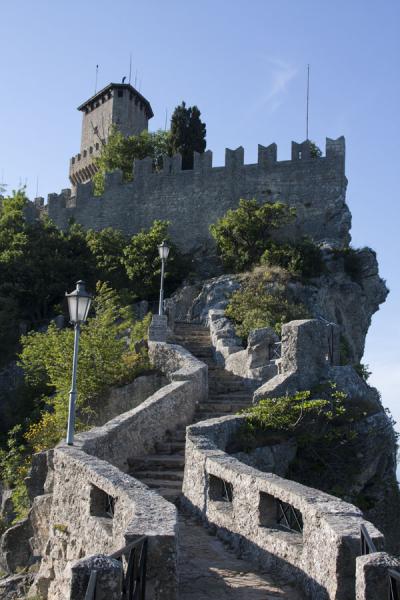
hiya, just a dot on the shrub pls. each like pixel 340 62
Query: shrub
pixel 242 235
pixel 324 425
pixel 120 151
pixel 253 307
pixel 300 259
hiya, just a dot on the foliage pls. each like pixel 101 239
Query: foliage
pixel 253 307
pixel 351 262
pixel 315 151
pixel 105 359
pixel 324 426
pixel 300 259
pixel 188 133
pixel 363 371
pixel 106 247
pixel 14 466
pixel 143 265
pixel 243 234
pixel 119 153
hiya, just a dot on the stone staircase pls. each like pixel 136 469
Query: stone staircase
pixel 163 471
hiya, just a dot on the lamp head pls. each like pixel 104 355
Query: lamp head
pixel 163 250
pixel 79 302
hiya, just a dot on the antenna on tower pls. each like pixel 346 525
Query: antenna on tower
pixel 97 72
pixel 130 66
pixel 166 118
pixel 135 77
pixel 308 98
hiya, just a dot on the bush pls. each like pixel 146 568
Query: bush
pixel 242 235
pixel 300 259
pixel 323 424
pixel 253 307
pixel 119 153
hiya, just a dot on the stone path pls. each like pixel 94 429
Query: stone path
pixel 208 570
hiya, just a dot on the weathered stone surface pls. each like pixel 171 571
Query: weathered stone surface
pixel 321 559
pixel 193 200
pixel 180 303
pixel 7 512
pixel 372 575
pixel 109 577
pixel 119 400
pixel 275 458
pixel 214 294
pixel 15 551
pixel 158 328
pixel 15 586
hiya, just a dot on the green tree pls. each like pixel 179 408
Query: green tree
pixel 300 259
pixel 120 151
pixel 107 247
pixel 243 234
pixel 105 359
pixel 188 133
pixel 143 264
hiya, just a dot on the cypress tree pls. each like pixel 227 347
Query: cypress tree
pixel 188 133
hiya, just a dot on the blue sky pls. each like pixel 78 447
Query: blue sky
pixel 244 65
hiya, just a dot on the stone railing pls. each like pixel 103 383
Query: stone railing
pixel 255 363
pixel 97 508
pixel 245 505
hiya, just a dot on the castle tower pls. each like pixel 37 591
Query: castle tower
pixel 117 104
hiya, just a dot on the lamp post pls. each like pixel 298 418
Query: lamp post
pixel 78 305
pixel 163 250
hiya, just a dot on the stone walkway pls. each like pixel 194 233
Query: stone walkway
pixel 208 570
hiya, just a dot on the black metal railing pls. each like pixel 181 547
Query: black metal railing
pixel 394 584
pixel 289 517
pixel 367 546
pixel 276 349
pixel 133 556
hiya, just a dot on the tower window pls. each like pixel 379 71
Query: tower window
pixel 120 93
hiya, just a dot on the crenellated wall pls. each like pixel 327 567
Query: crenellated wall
pixel 193 199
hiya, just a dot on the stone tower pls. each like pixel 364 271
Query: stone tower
pixel 117 104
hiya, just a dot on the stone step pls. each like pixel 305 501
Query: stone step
pixel 163 483
pixel 170 475
pixel 157 462
pixel 206 416
pixel 221 407
pixel 171 447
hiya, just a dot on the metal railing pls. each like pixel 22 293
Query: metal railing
pixel 134 555
pixel 289 517
pixel 367 546
pixel 394 584
pixel 276 350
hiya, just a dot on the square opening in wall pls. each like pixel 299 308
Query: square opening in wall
pixel 101 503
pixel 219 490
pixel 267 510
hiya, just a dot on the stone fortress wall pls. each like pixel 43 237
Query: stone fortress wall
pixel 193 199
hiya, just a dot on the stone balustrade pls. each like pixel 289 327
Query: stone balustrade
pixel 97 507
pixel 242 504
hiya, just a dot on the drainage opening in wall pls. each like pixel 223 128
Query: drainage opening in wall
pixel 101 503
pixel 219 490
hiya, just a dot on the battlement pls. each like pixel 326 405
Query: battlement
pixel 193 199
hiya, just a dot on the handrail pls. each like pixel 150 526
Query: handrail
pixel 134 579
pixel 394 584
pixel 367 546
pixel 118 553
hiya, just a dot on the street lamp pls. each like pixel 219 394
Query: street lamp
pixel 163 250
pixel 78 305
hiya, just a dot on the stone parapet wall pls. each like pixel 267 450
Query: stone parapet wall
pixel 254 363
pixel 90 482
pixel 315 186
pixel 321 559
pixel 373 576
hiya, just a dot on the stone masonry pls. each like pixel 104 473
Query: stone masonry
pixel 193 199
